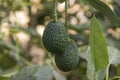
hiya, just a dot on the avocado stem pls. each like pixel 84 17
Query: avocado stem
pixel 55 12
pixel 66 15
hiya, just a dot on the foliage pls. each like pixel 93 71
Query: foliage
pixel 92 24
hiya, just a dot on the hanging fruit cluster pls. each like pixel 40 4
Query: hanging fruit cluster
pixel 56 41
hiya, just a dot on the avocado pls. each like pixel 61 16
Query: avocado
pixel 55 37
pixel 69 59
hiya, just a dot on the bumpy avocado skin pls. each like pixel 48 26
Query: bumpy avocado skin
pixel 55 37
pixel 69 59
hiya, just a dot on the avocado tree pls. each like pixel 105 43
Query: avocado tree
pixel 77 39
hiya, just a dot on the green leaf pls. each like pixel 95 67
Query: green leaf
pixel 103 8
pixel 58 76
pixel 30 31
pixel 114 56
pixel 8 73
pixel 98 45
pixel 6 62
pixel 1 35
pixel 97 55
pixel 114 59
pixel 118 70
pixel 100 74
pixel 90 65
pixel 82 52
pixel 4 78
pixel 91 73
pixel 35 72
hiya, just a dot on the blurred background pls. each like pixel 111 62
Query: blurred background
pixel 22 23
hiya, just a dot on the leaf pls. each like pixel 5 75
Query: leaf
pixel 103 8
pixel 91 73
pixel 30 31
pixel 82 52
pixel 118 70
pixel 98 45
pixel 114 59
pixel 6 62
pixel 4 78
pixel 44 73
pixel 8 73
pixel 58 76
pixel 1 35
pixel 35 72
pixel 116 9
pixel 114 56
pixel 97 55
pixel 90 66
pixel 100 74
pixel 1 70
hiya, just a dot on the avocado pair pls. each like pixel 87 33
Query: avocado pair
pixel 56 41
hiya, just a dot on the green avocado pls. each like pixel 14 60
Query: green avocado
pixel 69 59
pixel 55 37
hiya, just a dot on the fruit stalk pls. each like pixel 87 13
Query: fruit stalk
pixel 66 15
pixel 55 12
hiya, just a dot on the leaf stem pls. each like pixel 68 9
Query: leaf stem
pixel 107 72
pixel 55 12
